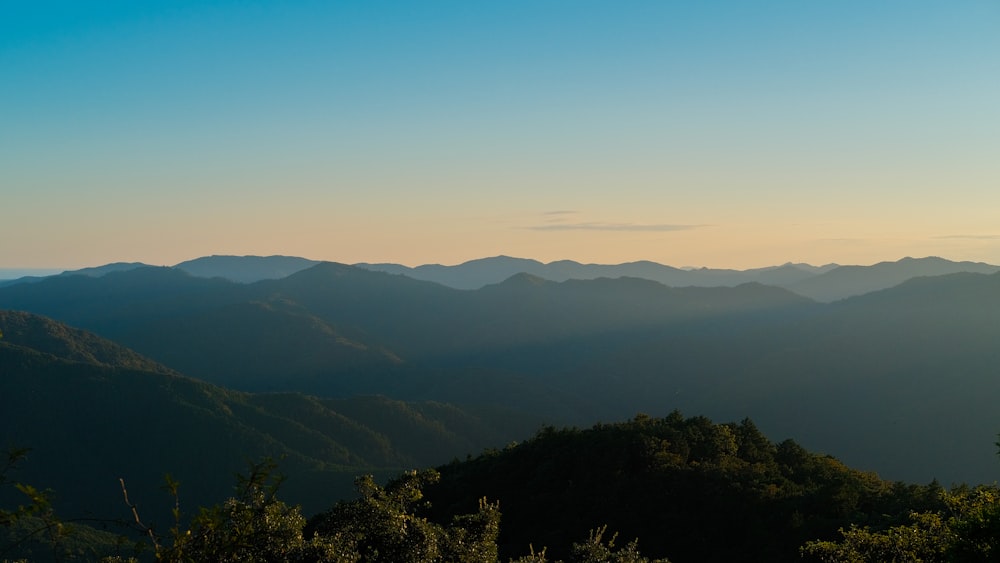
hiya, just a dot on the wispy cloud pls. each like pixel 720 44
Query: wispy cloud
pixel 847 240
pixel 596 226
pixel 970 237
pixel 560 212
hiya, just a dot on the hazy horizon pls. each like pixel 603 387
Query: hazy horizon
pixel 720 134
pixel 11 273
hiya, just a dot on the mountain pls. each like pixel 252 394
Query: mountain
pixel 245 269
pixel 847 281
pixel 912 364
pixel 260 346
pixel 822 283
pixel 475 274
pixel 421 320
pixel 817 282
pixel 84 403
pixel 330 328
pixel 70 344
pixel 97 271
pixel 14 275
pixel 114 302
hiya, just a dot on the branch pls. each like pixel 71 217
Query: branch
pixel 135 514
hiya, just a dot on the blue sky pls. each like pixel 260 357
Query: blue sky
pixel 728 133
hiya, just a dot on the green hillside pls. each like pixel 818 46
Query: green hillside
pixel 89 423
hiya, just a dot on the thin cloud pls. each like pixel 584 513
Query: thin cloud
pixel 593 226
pixel 846 240
pixel 561 212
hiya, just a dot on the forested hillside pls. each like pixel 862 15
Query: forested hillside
pixel 92 412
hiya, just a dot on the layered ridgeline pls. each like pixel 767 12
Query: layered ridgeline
pixel 93 412
pixel 332 326
pixel 822 283
pixel 899 380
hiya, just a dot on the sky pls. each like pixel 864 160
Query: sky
pixel 711 133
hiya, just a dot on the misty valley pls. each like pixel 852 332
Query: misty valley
pixel 500 410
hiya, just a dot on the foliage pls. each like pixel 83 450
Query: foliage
pixel 33 529
pixel 966 530
pixel 383 525
pixel 595 550
pixel 252 526
pixel 34 518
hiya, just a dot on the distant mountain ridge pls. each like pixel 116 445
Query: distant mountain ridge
pixel 822 283
pixel 825 283
pixel 847 281
pixel 475 274
pixel 96 271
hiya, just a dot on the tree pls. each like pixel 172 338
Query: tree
pixel 32 520
pixel 383 525
pixel 252 526
pixel 967 531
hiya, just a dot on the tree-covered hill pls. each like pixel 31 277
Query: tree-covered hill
pixel 91 414
pixel 689 489
pixel 64 342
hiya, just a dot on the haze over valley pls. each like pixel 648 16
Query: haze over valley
pixel 858 377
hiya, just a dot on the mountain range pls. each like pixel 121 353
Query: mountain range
pixel 897 380
pixel 822 283
pixel 825 283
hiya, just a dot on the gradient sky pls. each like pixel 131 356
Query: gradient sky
pixel 716 133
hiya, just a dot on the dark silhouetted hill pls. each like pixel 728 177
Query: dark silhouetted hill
pixel 690 490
